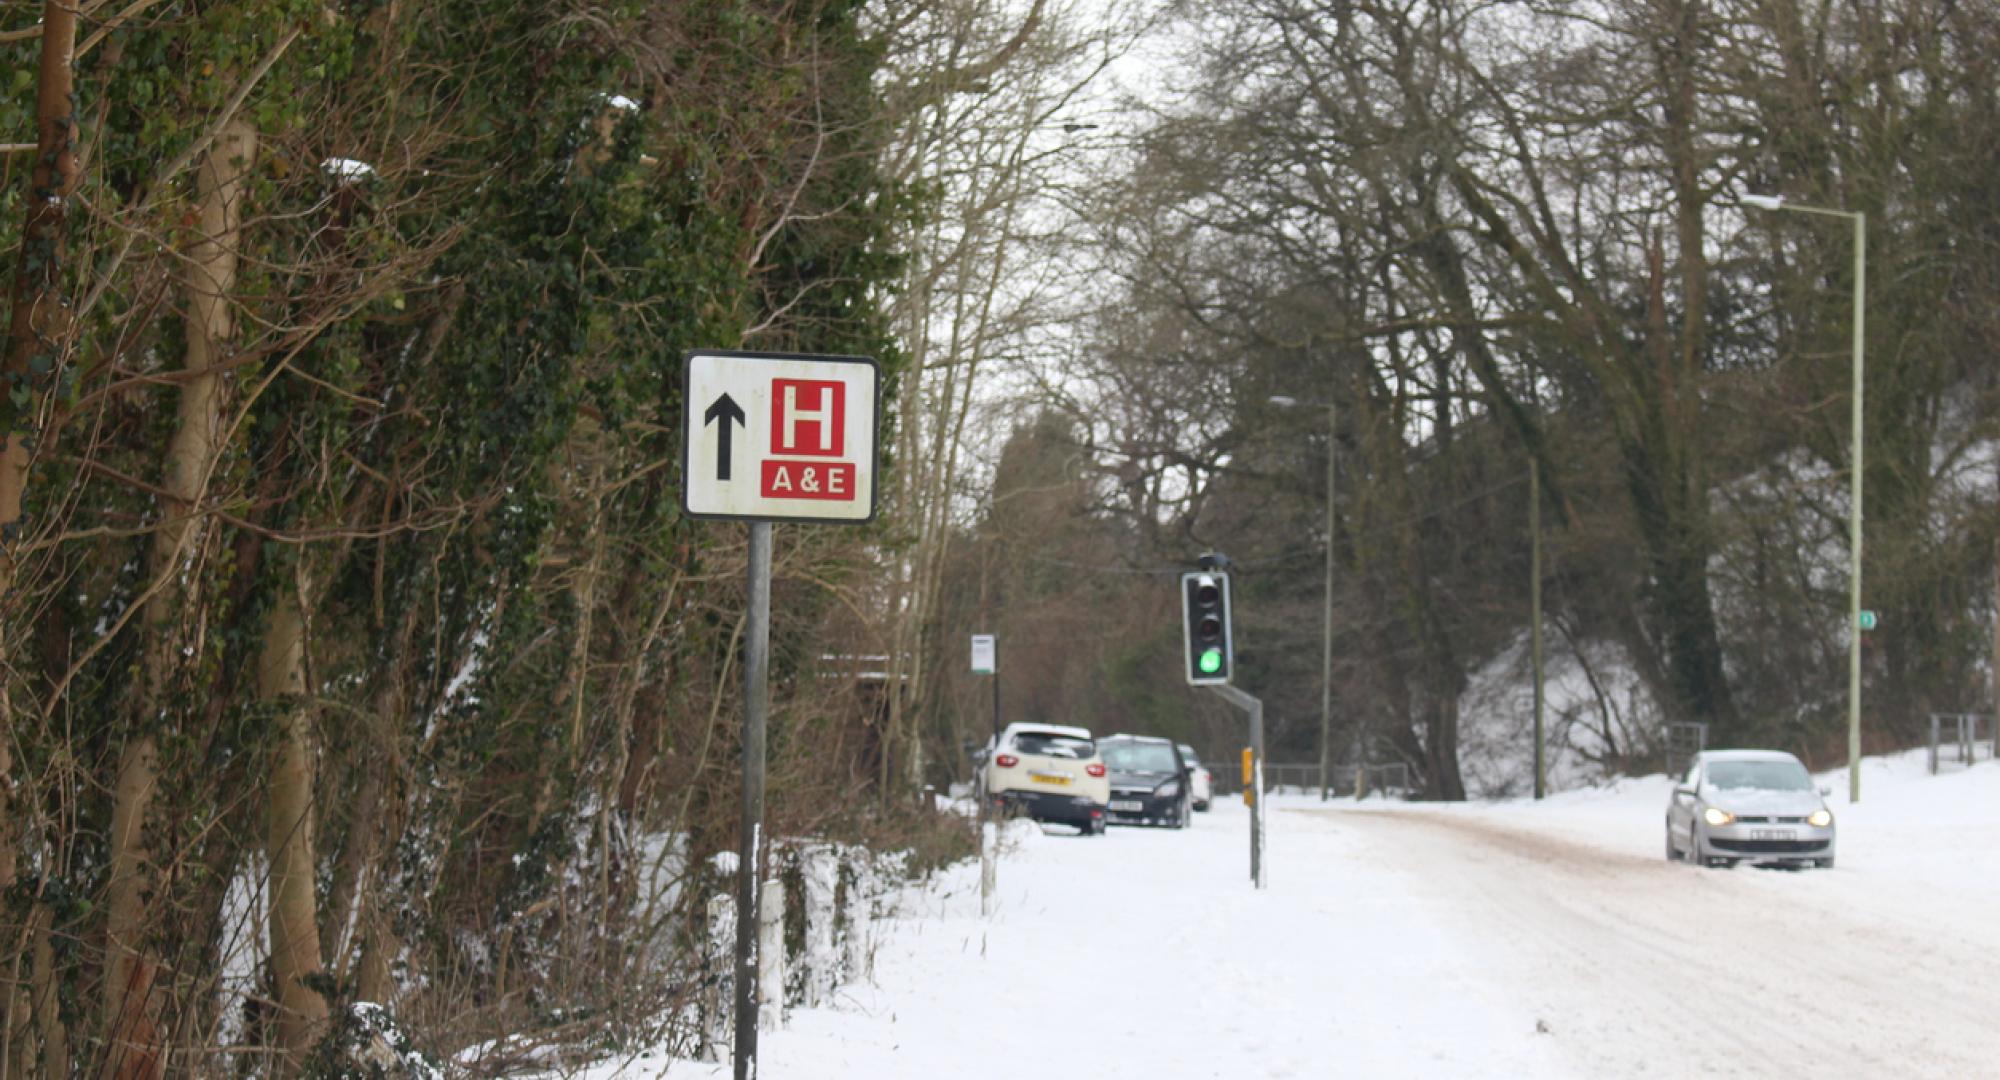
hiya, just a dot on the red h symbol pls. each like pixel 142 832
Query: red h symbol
pixel 808 417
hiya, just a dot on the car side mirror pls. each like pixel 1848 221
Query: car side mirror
pixel 1683 789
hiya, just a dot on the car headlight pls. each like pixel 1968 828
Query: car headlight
pixel 1820 818
pixel 1717 816
pixel 1168 790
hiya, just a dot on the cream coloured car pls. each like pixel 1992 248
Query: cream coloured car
pixel 1048 772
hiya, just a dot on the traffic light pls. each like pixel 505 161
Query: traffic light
pixel 1211 651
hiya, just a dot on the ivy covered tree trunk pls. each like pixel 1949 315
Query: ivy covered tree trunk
pixel 39 324
pixel 293 923
pixel 38 335
pixel 132 1042
pixel 1679 600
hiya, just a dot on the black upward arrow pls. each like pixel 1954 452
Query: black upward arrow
pixel 726 410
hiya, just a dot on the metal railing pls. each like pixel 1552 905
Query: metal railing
pixel 1958 733
pixel 1392 779
pixel 1684 741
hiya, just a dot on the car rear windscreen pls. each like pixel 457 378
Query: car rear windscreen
pixel 1051 745
pixel 1140 757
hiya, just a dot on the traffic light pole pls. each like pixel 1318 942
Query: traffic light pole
pixel 1255 708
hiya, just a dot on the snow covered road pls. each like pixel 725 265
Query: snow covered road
pixel 1496 940
pixel 1644 968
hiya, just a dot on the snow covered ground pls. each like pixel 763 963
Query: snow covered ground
pixel 1504 939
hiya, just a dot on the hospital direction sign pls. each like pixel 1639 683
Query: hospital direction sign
pixel 779 436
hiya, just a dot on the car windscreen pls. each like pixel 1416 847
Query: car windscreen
pixel 1140 757
pixel 1049 744
pixel 1759 775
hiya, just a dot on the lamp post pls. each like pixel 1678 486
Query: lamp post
pixel 1860 219
pixel 1326 646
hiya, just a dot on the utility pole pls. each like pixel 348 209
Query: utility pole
pixel 1326 643
pixel 1326 636
pixel 1854 505
pixel 1535 612
pixel 1855 508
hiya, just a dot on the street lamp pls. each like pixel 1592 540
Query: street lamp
pixel 1326 659
pixel 1860 219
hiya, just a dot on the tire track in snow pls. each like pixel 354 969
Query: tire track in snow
pixel 1645 968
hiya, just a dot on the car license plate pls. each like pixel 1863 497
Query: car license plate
pixel 1774 834
pixel 1048 778
pixel 1127 805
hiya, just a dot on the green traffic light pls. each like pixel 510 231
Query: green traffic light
pixel 1211 661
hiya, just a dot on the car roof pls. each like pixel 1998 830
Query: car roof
pixel 1140 738
pixel 1048 729
pixel 1747 755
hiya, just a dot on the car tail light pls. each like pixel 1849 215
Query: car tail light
pixel 1094 769
pixel 1006 761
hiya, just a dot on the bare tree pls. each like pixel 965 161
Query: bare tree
pixel 985 93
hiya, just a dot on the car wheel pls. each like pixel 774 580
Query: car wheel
pixel 1202 807
pixel 1693 854
pixel 1673 853
pixel 1826 864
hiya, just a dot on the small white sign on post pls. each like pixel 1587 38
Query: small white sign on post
pixel 983 654
pixel 779 436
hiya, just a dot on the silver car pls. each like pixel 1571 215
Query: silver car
pixel 1756 806
pixel 1200 781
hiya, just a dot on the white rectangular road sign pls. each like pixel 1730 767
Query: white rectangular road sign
pixel 779 436
pixel 982 654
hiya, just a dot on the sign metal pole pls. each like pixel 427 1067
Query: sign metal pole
pixel 986 661
pixel 756 707
pixel 806 452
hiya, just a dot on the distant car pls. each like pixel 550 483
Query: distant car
pixel 1048 772
pixel 1757 806
pixel 1201 784
pixel 1149 781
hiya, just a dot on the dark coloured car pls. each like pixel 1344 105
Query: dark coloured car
pixel 1149 781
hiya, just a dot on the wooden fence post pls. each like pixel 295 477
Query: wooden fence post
pixel 721 968
pixel 771 957
pixel 989 858
pixel 860 904
pixel 821 873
